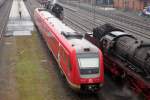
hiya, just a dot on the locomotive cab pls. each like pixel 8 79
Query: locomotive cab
pixel 88 65
pixel 89 68
pixel 88 62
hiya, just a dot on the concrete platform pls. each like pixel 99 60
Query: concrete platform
pixel 20 22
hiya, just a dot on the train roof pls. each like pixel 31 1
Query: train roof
pixel 76 39
pixel 61 27
pixel 83 45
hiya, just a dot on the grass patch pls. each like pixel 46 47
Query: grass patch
pixel 33 81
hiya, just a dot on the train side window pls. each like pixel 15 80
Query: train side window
pixel 69 65
pixel 64 56
pixel 66 60
pixel 61 53
pixel 48 33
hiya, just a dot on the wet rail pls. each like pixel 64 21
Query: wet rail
pixel 141 29
pixel 123 17
pixel 97 20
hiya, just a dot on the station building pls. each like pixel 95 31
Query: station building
pixel 98 2
pixel 136 5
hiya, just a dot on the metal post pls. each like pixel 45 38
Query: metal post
pixel 108 2
pixel 79 5
pixel 93 9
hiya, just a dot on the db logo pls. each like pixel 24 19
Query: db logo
pixel 90 81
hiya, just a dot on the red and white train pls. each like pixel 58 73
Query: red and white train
pixel 80 61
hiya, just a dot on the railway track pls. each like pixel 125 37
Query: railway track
pixel 98 20
pixel 132 25
pixel 74 25
pixel 143 22
pixel 126 19
pixel 4 10
pixel 137 21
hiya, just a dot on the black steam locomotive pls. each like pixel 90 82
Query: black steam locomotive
pixel 126 47
pixel 55 9
pixel 125 56
pixel 58 11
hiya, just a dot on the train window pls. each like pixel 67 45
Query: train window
pixel 66 60
pixel 49 34
pixel 69 65
pixel 64 56
pixel 88 62
pixel 89 66
pixel 61 51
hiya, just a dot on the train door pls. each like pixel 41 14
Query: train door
pixel 68 65
pixel 55 46
pixel 61 60
pixel 64 61
pixel 48 36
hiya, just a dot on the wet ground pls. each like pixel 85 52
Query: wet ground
pixel 28 71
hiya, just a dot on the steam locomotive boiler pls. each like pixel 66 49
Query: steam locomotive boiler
pixel 125 56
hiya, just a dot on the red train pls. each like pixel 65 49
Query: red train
pixel 80 61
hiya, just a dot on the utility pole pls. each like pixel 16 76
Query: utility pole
pixel 79 5
pixel 108 2
pixel 93 9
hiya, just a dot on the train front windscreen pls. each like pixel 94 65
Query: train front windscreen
pixel 89 65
